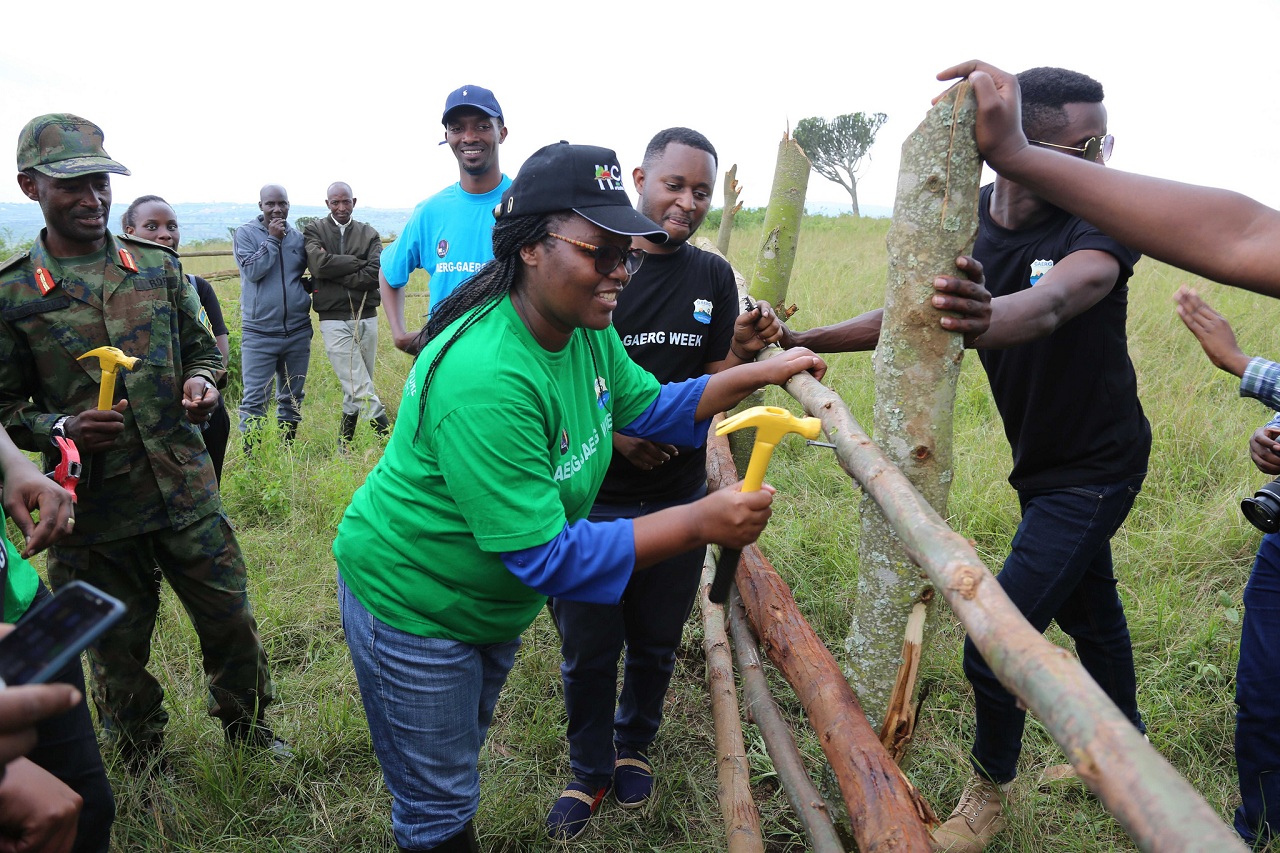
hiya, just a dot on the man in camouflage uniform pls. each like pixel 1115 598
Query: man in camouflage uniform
pixel 155 500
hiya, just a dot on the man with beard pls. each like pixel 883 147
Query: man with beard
pixel 448 235
pixel 275 314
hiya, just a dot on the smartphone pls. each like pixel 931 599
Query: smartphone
pixel 54 632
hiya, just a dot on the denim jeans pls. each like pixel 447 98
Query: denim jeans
pixel 649 622
pixel 1059 568
pixel 429 702
pixel 267 359
pixel 1258 695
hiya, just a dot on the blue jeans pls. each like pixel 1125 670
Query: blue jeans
pixel 1258 695
pixel 649 622
pixel 429 702
pixel 1059 568
pixel 267 359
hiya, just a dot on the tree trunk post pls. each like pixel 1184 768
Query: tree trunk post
pixel 917 364
pixel 777 253
pixel 731 207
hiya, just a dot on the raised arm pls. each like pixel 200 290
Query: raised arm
pixel 1215 233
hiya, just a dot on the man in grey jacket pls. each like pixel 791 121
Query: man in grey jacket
pixel 275 313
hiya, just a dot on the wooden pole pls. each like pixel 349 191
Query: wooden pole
pixel 886 811
pixel 802 794
pixel 731 208
pixel 917 364
pixel 733 774
pixel 782 219
pixel 1157 807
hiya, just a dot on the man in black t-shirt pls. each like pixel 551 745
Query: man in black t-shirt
pixel 677 320
pixel 1056 355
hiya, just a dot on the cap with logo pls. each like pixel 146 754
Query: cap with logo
pixel 583 178
pixel 471 96
pixel 62 145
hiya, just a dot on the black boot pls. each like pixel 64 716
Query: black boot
pixel 289 430
pixel 347 430
pixel 256 734
pixel 381 426
pixel 463 842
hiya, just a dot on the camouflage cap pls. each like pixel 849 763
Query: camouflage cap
pixel 62 145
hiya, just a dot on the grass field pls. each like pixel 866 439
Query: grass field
pixel 1182 559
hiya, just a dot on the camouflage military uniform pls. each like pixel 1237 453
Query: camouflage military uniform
pixel 158 502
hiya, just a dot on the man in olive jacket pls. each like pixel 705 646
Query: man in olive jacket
pixel 343 256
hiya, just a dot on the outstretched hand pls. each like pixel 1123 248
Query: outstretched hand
pixel 25 490
pixel 1212 331
pixel 999 131
pixel 789 363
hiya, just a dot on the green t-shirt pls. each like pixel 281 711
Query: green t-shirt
pixel 20 579
pixel 514 443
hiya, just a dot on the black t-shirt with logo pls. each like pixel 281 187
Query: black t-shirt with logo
pixel 1069 401
pixel 674 317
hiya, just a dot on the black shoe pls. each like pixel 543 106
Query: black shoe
pixel 258 736
pixel 381 426
pixel 145 757
pixel 289 429
pixel 347 430
pixel 463 842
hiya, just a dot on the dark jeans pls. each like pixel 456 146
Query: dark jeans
pixel 1059 568
pixel 649 622
pixel 216 432
pixel 1258 695
pixel 67 748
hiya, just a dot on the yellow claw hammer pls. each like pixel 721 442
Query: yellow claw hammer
pixel 110 360
pixel 771 423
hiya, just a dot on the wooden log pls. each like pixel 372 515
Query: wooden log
pixel 885 809
pixel 802 794
pixel 731 207
pixel 917 364
pixel 733 774
pixel 1156 806
pixel 782 219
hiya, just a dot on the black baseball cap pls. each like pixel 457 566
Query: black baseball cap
pixel 583 178
pixel 471 96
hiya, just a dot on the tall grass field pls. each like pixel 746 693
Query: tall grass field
pixel 1182 560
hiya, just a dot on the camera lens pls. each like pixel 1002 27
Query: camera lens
pixel 1263 509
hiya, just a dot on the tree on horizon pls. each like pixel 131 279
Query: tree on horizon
pixel 836 148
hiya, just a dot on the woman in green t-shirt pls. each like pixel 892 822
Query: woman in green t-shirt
pixel 477 510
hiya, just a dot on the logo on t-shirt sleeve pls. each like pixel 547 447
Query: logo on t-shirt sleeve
pixel 1038 269
pixel 702 310
pixel 442 248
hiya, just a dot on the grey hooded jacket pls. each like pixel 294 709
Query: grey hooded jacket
pixel 273 299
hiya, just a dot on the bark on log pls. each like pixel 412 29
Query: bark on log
pixel 802 794
pixel 886 811
pixel 731 208
pixel 917 363
pixel 1157 807
pixel 733 774
pixel 777 252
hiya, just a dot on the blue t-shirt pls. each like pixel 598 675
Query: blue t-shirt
pixel 450 235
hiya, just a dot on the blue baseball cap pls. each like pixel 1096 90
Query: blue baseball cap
pixel 471 96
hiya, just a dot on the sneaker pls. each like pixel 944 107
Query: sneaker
pixel 632 778
pixel 975 821
pixel 568 818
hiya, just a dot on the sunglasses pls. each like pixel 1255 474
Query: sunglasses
pixel 607 258
pixel 1095 149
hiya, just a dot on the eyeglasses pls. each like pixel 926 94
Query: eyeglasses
pixel 607 258
pixel 1096 148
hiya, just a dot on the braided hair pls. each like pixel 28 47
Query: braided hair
pixel 479 295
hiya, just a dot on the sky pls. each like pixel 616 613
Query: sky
pixel 207 102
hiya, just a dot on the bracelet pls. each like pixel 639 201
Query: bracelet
pixel 740 355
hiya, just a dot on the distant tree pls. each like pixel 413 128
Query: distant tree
pixel 839 145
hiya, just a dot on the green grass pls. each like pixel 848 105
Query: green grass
pixel 1182 559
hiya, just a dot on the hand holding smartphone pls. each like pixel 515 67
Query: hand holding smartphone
pixel 54 632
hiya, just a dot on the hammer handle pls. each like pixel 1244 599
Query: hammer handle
pixel 726 569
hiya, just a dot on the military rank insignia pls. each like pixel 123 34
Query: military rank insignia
pixel 44 281
pixel 127 261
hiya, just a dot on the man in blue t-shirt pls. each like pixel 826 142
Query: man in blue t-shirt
pixel 448 235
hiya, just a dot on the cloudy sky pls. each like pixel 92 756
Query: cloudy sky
pixel 206 102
